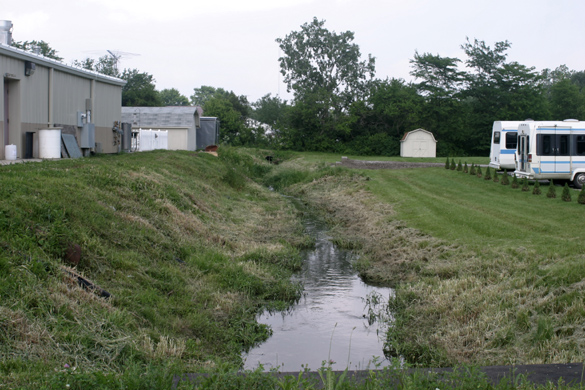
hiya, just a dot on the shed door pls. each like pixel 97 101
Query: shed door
pixel 420 148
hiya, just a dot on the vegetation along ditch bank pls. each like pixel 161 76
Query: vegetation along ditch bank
pixel 191 248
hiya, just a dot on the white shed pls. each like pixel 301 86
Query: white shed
pixel 418 143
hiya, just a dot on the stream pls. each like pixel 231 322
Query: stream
pixel 329 323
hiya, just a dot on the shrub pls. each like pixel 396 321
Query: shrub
pixel 452 164
pixel 488 174
pixel 505 179
pixel 552 191
pixel 536 190
pixel 459 166
pixel 496 177
pixel 472 170
pixel 525 186
pixel 581 198
pixel 465 168
pixel 566 195
pixel 514 182
pixel 447 165
pixel 479 174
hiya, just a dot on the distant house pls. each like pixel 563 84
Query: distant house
pixel 418 143
pixel 182 123
pixel 39 93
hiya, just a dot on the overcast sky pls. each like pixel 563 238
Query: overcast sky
pixel 231 43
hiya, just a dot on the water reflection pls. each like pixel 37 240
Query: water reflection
pixel 329 322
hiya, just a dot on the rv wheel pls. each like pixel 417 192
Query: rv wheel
pixel 579 180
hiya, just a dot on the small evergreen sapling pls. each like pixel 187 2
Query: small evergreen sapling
pixel 479 174
pixel 447 165
pixel 472 170
pixel 525 186
pixel 505 179
pixel 514 182
pixel 459 166
pixel 536 190
pixel 566 195
pixel 496 177
pixel 465 168
pixel 552 190
pixel 581 198
pixel 488 174
pixel 453 164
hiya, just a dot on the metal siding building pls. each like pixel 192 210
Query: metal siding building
pixel 53 95
pixel 182 123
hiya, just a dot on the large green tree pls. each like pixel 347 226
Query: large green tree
pixel 172 97
pixel 499 90
pixel 140 89
pixel 105 65
pixel 43 47
pixel 325 72
pixel 270 110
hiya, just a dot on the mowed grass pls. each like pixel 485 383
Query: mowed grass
pixel 472 211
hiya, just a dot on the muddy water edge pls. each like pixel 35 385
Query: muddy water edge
pixel 333 322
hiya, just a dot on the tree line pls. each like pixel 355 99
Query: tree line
pixel 339 106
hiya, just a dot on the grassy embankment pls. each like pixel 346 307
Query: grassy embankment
pixel 189 248
pixel 484 274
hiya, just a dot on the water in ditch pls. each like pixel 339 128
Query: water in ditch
pixel 330 322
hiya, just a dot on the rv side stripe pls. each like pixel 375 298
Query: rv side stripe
pixel 507 151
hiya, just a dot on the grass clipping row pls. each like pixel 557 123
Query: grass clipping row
pixel 451 304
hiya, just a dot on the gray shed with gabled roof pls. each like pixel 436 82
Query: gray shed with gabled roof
pixel 181 122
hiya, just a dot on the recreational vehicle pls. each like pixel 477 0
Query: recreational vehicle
pixel 504 134
pixel 551 150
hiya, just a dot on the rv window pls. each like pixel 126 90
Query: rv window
pixel 580 145
pixel 496 137
pixel 563 149
pixel 544 147
pixel 511 140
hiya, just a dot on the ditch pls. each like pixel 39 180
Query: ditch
pixel 335 321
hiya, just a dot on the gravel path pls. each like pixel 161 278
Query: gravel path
pixel 360 164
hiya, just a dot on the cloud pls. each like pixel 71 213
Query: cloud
pixel 171 10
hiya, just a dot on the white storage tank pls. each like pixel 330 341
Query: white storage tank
pixel 10 152
pixel 50 143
